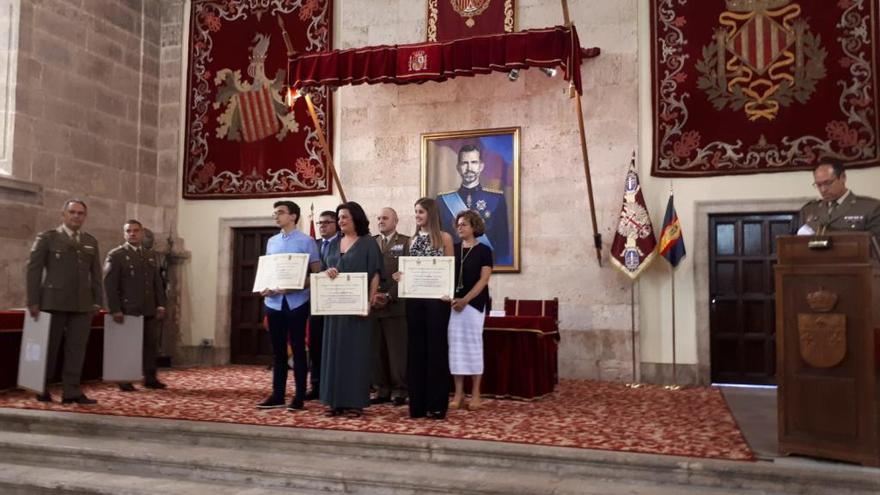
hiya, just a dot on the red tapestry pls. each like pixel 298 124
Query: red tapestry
pixel 456 19
pixel 242 140
pixel 750 86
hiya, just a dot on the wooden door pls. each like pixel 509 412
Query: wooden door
pixel 742 313
pixel 249 341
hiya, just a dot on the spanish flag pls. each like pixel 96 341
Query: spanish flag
pixel 671 240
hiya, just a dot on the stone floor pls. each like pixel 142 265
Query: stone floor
pixel 754 409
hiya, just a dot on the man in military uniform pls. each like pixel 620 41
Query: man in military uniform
pixel 488 203
pixel 328 232
pixel 64 279
pixel 389 370
pixel 134 287
pixel 839 209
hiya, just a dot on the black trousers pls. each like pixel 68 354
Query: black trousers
pixel 316 341
pixel 284 324
pixel 427 356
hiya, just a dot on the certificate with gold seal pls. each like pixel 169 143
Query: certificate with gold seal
pixel 427 277
pixel 347 294
pixel 281 271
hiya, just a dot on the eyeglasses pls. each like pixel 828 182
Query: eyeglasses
pixel 825 183
pixel 279 213
pixel 326 222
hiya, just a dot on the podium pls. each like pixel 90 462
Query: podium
pixel 827 326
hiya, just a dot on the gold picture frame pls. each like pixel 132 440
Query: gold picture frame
pixel 493 155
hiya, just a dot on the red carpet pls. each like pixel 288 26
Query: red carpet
pixel 585 414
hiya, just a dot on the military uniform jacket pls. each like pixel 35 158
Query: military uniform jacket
pixel 396 246
pixel 132 281
pixel 62 274
pixel 855 213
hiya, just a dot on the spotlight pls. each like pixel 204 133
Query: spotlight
pixel 513 75
pixel 292 95
pixel 549 71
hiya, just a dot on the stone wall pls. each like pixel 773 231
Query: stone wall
pixel 377 149
pixel 86 125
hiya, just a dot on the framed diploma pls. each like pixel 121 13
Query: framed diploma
pixel 281 271
pixel 347 294
pixel 123 349
pixel 32 358
pixel 428 277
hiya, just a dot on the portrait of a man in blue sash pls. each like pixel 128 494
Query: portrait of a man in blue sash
pixel 478 171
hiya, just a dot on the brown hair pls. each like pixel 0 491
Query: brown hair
pixel 474 219
pixel 433 228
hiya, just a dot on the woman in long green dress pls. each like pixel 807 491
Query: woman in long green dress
pixel 347 353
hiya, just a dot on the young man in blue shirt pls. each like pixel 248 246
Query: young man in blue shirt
pixel 288 310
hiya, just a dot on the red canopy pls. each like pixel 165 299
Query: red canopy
pixel 402 64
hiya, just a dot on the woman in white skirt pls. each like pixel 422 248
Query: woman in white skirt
pixel 473 263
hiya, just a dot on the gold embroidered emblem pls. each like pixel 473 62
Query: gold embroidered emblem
pixel 469 9
pixel 763 57
pixel 418 60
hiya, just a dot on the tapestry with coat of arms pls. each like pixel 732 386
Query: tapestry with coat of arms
pixel 456 19
pixel 242 138
pixel 751 86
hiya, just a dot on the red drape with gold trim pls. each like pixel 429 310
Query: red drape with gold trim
pixel 420 62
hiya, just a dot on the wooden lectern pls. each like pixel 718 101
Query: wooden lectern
pixel 827 321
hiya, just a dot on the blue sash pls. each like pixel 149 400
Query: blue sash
pixel 456 205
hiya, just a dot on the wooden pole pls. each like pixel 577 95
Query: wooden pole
pixel 597 237
pixel 674 375
pixel 565 17
pixel 632 319
pixel 323 141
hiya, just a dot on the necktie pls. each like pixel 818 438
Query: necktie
pixel 324 245
pixel 831 206
pixel 76 237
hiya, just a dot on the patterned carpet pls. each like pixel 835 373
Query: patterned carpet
pixel 585 414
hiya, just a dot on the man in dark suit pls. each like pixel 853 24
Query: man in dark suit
pixel 328 231
pixel 839 209
pixel 389 371
pixel 488 203
pixel 64 279
pixel 134 287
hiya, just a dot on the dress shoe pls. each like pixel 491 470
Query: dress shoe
pixel 127 387
pixel 296 405
pixel 155 384
pixel 398 401
pixel 81 400
pixel 313 394
pixel 271 403
pixel 379 400
pixel 44 397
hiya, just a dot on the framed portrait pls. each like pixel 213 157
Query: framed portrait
pixel 477 170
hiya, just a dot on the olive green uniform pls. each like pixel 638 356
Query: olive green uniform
pixel 64 279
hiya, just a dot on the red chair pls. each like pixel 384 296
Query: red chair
pixel 532 307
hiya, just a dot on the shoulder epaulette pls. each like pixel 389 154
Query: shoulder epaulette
pixel 493 190
pixel 448 192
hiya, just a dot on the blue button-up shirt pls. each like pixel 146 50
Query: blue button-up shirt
pixel 294 242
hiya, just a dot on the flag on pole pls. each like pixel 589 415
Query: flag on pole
pixel 634 242
pixel 671 239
